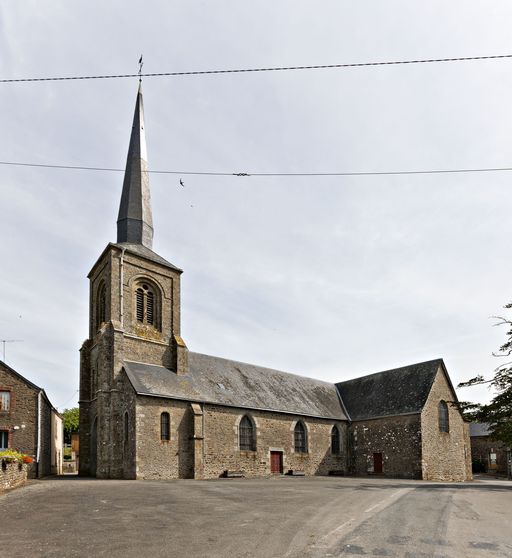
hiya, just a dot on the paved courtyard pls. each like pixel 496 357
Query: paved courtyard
pixel 278 517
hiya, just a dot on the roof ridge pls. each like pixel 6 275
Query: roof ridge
pixel 264 368
pixel 440 360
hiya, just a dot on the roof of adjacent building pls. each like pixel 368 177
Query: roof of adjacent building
pixel 237 384
pixel 478 429
pixel 393 392
pixel 30 384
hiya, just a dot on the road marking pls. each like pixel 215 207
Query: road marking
pixel 338 528
pixel 391 496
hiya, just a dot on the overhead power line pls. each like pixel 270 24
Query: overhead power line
pixel 269 174
pixel 263 69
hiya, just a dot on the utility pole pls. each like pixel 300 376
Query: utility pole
pixel 4 341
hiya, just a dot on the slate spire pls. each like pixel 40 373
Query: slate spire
pixel 135 222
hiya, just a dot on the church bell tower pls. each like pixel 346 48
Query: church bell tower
pixel 134 315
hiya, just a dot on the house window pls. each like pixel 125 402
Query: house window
pixel 5 401
pixel 145 305
pixel 335 440
pixel 444 424
pixel 165 427
pixel 4 439
pixel 247 437
pixel 300 441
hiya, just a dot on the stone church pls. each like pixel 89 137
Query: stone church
pixel 151 409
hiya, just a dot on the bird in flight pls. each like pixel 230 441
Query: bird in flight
pixel 182 183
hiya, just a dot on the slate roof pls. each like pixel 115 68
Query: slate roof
pixel 478 429
pixel 236 384
pixel 393 392
pixel 144 252
pixel 28 382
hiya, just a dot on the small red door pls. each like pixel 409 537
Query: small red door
pixel 377 463
pixel 276 462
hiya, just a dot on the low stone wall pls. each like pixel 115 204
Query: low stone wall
pixel 12 475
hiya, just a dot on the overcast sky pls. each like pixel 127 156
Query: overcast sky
pixel 331 278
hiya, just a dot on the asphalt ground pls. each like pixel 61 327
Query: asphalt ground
pixel 277 517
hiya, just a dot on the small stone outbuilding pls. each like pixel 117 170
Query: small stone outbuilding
pixel 486 453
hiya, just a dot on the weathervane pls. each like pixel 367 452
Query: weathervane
pixel 141 63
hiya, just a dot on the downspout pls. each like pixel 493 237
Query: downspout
pixel 121 289
pixel 38 451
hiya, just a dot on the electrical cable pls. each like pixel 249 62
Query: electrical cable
pixel 269 174
pixel 263 69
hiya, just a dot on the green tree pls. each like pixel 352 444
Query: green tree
pixel 71 423
pixel 498 412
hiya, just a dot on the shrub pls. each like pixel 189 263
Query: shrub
pixel 13 456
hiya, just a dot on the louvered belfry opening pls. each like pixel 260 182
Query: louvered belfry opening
pixel 140 305
pixel 145 305
pixel 150 308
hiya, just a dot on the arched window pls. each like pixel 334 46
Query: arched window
pixel 145 305
pixel 444 422
pixel 300 439
pixel 335 440
pixel 165 427
pixel 126 428
pixel 247 435
pixel 101 305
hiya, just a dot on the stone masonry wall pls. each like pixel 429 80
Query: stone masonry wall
pixel 157 459
pixel 121 338
pixel 45 458
pixel 219 451
pixel 483 446
pixel 446 456
pixel 397 438
pixel 23 411
pixel 12 475
pixel 274 431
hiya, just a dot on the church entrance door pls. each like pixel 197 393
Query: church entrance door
pixel 276 462
pixel 377 463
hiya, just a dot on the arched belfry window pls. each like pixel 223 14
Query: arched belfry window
pixel 101 305
pixel 444 421
pixel 146 304
pixel 300 438
pixel 247 434
pixel 165 427
pixel 335 440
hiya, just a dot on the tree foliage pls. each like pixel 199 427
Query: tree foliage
pixel 71 422
pixel 497 413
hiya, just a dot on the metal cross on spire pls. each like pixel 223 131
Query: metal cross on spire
pixel 141 63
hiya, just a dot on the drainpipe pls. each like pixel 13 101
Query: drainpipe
pixel 121 289
pixel 38 452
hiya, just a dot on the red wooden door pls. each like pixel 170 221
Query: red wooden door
pixel 276 462
pixel 377 463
